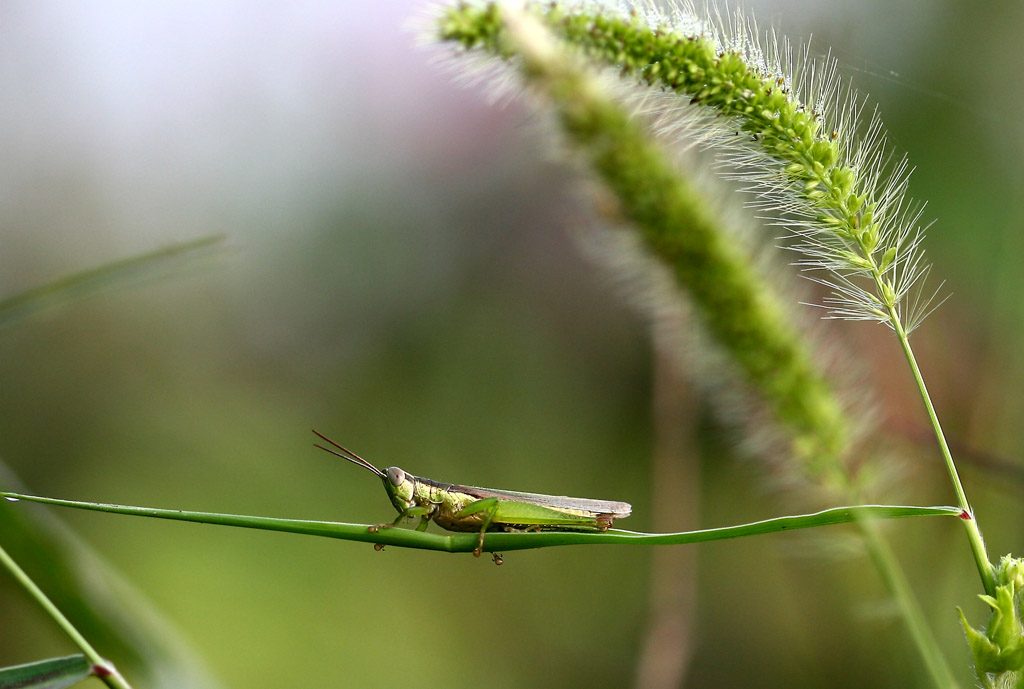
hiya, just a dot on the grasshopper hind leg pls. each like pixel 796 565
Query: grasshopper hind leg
pixel 489 508
pixel 483 530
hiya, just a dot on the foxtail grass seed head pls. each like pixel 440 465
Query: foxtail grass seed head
pixel 736 306
pixel 814 160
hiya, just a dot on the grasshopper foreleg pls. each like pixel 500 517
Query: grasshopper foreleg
pixel 421 511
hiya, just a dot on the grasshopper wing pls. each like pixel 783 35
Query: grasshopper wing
pixel 594 508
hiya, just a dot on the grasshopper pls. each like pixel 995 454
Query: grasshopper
pixel 467 508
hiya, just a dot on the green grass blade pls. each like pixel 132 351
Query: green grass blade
pixel 55 673
pixel 499 541
pixel 108 276
pixel 107 610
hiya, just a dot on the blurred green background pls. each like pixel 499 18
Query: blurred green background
pixel 399 273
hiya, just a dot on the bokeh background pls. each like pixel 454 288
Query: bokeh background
pixel 398 271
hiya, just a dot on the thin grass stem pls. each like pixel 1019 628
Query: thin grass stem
pixel 102 668
pixel 895 580
pixel 985 569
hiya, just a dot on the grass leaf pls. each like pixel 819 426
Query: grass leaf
pixel 54 673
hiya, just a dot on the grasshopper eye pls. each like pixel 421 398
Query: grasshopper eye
pixel 396 476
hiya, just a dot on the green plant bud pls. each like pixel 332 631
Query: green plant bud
pixel 888 294
pixel 869 238
pixel 887 258
pixel 825 153
pixel 843 178
pixel 999 649
pixel 857 261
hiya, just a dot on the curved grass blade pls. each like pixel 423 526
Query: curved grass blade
pixel 104 277
pixel 500 541
pixel 55 673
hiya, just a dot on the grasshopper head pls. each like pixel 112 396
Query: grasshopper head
pixel 399 486
pixel 397 483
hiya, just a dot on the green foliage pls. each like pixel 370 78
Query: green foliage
pixel 69 566
pixel 55 673
pixel 998 650
pixel 104 607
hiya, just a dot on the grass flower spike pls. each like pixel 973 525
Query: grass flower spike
pixel 786 127
pixel 676 225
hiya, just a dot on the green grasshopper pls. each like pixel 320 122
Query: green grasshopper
pixel 468 508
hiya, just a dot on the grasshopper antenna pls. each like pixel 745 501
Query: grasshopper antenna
pixel 346 454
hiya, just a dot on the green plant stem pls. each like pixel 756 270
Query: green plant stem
pixel 892 575
pixel 985 569
pixel 101 667
pixel 970 523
